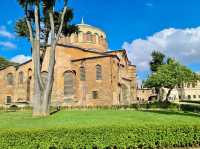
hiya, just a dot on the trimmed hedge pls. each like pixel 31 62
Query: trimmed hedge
pixel 148 137
pixel 191 101
pixel 190 108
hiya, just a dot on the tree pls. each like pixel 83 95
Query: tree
pixel 155 63
pixel 43 25
pixel 170 75
pixel 5 63
pixel 157 60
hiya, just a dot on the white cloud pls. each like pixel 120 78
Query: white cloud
pixel 7 44
pixel 5 33
pixel 181 44
pixel 20 59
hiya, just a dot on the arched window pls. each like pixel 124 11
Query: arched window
pixel 101 40
pixel 21 77
pixel 82 73
pixel 124 92
pixel 95 38
pixel 188 85
pixel 68 83
pixel 98 72
pixel 10 79
pixel 68 39
pixel 89 37
pixel 44 76
pixel 75 38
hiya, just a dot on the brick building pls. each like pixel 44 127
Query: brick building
pixel 85 73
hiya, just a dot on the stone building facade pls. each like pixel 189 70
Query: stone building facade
pixel 190 91
pixel 145 94
pixel 86 73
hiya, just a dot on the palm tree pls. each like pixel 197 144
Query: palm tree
pixel 40 23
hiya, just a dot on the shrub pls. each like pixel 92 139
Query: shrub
pixel 103 137
pixel 190 108
pixel 190 101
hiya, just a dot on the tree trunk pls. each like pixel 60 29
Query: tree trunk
pixel 168 94
pixel 38 84
pixel 42 92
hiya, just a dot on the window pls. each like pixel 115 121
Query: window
pixel 10 79
pixel 89 36
pixel 98 72
pixel 82 73
pixel 189 96
pixel 194 96
pixel 75 38
pixel 124 92
pixel 68 83
pixel 193 85
pixel 188 85
pixel 95 38
pixel 21 77
pixel 101 40
pixel 8 99
pixel 68 39
pixel 95 95
pixel 44 77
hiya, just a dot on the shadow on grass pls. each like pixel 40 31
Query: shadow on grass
pixel 54 111
pixel 168 112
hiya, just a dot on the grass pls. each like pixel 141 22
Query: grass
pixel 96 118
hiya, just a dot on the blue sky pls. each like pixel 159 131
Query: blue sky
pixel 140 26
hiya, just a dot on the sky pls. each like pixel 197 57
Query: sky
pixel 139 26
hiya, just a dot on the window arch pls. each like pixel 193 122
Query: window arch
pixel 75 38
pixel 44 76
pixel 69 83
pixel 125 92
pixel 101 40
pixel 82 73
pixel 95 38
pixel 98 72
pixel 89 36
pixel 21 77
pixel 10 79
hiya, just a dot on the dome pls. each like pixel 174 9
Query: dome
pixel 89 37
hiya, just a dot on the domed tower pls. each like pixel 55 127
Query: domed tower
pixel 89 37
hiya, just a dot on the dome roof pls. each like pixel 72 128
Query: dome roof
pixel 84 25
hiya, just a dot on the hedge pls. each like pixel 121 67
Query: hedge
pixel 146 137
pixel 191 101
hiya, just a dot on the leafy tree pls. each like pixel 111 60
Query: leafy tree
pixel 5 63
pixel 157 60
pixel 170 75
pixel 43 25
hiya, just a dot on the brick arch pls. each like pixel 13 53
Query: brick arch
pixel 69 83
pixel 10 78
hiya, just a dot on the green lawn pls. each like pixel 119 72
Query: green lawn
pixel 100 129
pixel 96 118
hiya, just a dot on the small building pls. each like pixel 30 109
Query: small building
pixel 145 94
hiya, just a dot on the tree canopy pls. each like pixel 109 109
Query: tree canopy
pixel 170 75
pixel 5 63
pixel 157 60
